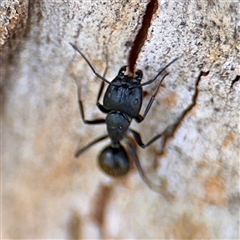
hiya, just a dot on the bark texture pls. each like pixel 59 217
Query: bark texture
pixel 46 192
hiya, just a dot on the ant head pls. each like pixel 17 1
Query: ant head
pixel 114 161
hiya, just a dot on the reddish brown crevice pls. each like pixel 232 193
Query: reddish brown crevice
pixel 74 226
pixel 100 203
pixel 142 34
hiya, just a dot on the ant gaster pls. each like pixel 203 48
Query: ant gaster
pixel 122 102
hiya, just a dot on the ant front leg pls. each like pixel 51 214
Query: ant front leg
pixel 140 118
pixel 94 121
pixel 99 105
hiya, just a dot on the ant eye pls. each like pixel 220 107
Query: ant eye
pixel 139 75
pixel 122 71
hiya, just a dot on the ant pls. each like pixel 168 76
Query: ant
pixel 122 102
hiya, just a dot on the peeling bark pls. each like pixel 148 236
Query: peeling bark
pixel 47 193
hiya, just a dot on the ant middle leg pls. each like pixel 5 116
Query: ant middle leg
pixel 166 133
pixel 94 121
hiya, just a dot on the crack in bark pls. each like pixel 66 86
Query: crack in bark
pixel 170 131
pixel 231 89
pixel 234 81
pixel 74 226
pixel 99 207
pixel 142 34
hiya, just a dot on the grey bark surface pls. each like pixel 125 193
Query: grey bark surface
pixel 47 193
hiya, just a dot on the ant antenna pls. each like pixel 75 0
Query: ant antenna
pixel 152 80
pixel 89 64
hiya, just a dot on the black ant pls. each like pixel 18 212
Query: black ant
pixel 122 102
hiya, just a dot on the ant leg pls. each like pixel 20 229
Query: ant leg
pixel 140 170
pixel 101 108
pixel 140 118
pixel 99 105
pixel 138 138
pixel 80 151
pixel 94 121
pixel 156 188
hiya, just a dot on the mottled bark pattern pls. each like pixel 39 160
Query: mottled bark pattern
pixel 49 194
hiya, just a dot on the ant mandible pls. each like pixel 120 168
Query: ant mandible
pixel 122 102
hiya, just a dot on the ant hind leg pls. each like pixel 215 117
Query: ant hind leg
pixel 80 151
pixel 161 188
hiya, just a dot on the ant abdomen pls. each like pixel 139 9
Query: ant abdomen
pixel 114 161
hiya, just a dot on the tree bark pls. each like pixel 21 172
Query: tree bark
pixel 47 193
